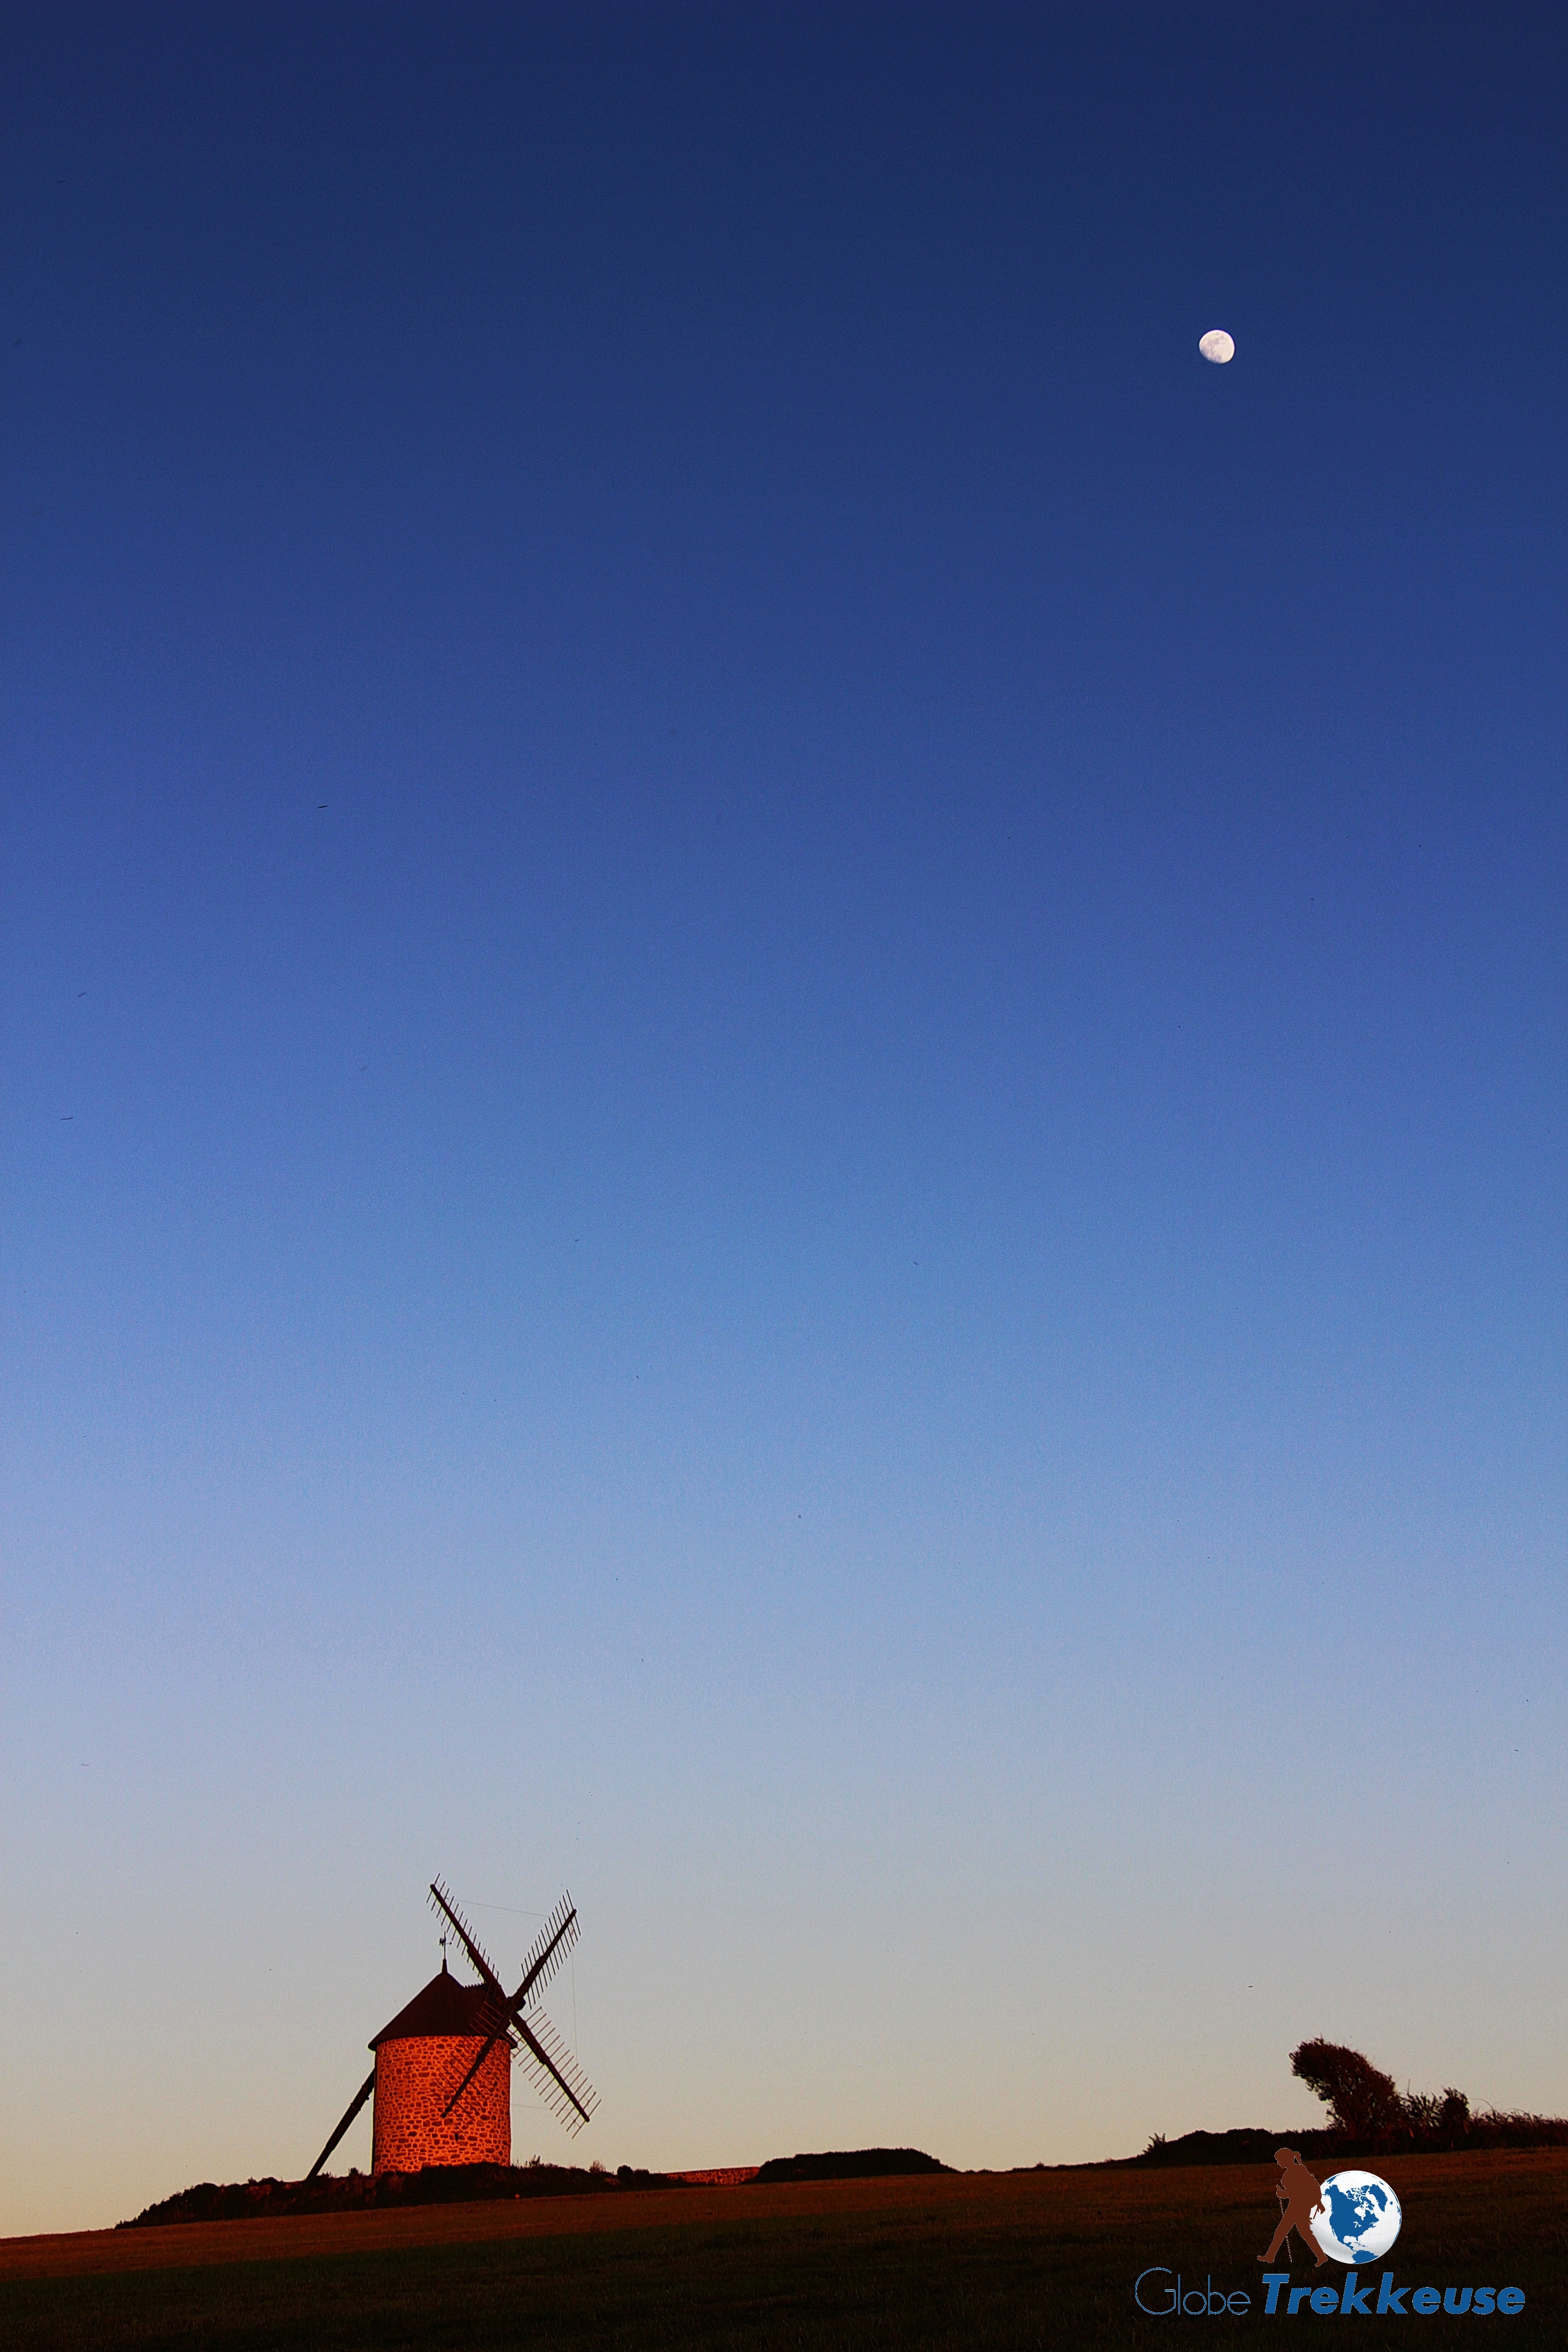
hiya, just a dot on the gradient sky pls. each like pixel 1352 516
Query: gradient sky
pixel 784 1116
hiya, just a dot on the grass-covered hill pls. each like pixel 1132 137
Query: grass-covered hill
pixel 461 2184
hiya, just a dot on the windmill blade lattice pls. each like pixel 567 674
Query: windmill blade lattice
pixel 559 2081
pixel 551 1947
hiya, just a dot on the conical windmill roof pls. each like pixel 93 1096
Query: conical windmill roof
pixel 444 2007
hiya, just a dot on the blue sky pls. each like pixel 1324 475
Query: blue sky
pixel 784 1109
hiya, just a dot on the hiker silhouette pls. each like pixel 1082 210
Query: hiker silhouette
pixel 1302 2198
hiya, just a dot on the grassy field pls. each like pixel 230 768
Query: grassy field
pixel 1018 2259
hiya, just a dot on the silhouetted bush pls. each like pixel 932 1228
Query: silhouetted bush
pixel 1362 2102
pixel 1366 2109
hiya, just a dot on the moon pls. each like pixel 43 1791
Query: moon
pixel 1216 345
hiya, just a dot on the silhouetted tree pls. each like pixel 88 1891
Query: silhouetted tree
pixel 1362 2102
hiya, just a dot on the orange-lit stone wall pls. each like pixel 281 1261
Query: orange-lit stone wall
pixel 414 2081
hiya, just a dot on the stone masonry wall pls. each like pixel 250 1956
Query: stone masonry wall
pixel 414 2081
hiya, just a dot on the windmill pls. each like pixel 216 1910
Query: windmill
pixel 442 2077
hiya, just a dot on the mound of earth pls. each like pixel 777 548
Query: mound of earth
pixel 849 2164
pixel 359 2192
pixel 1240 2145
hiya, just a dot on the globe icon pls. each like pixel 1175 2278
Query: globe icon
pixel 1359 2218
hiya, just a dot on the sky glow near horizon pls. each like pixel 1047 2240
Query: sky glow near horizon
pixel 786 1095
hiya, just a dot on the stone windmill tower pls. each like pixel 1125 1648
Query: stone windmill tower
pixel 442 2077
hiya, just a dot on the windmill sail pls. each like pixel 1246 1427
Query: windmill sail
pixel 565 2089
pixel 555 1940
pixel 441 1900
